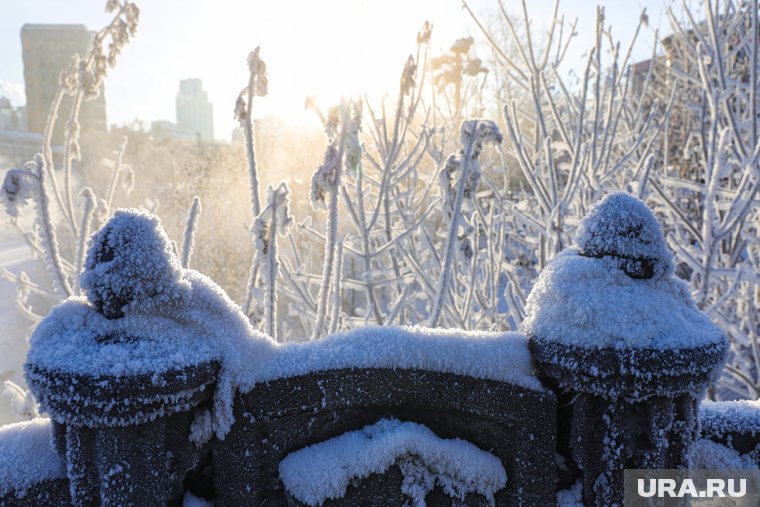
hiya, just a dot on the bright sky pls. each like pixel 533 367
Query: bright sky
pixel 326 48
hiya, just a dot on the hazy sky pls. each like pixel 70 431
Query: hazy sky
pixel 321 47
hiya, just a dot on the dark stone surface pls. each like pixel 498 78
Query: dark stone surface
pixel 515 424
pixel 633 408
pixel 125 440
pixel 136 465
pixel 627 372
pixel 608 436
pixel 48 493
pixel 96 401
pixel 383 490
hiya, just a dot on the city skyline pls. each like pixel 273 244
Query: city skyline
pixel 310 53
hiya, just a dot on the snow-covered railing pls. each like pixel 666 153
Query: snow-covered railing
pixel 31 473
pixel 158 388
pixel 621 338
pixel 476 387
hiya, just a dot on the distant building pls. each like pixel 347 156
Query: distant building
pixel 18 147
pixel 47 50
pixel 195 114
pixel 11 118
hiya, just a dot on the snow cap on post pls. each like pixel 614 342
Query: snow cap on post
pixel 131 262
pixel 621 226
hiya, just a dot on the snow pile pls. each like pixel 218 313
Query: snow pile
pixel 157 316
pixel 75 338
pixel 131 263
pixel 590 303
pixel 622 227
pixel 26 456
pixel 722 417
pixel 497 356
pixel 704 454
pixel 572 497
pixel 323 471
pixel 598 297
pixel 190 500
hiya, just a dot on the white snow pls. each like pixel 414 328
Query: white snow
pixel 15 256
pixel 178 317
pixel 622 225
pixel 572 497
pixel 496 356
pixel 67 341
pixel 584 297
pixel 741 416
pixel 130 261
pixel 202 428
pixel 323 471
pixel 203 324
pixel 191 500
pixel 26 456
pixel 172 317
pixel 705 454
pixel 589 302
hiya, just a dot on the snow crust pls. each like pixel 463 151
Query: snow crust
pixel 721 417
pixel 571 497
pixel 323 471
pixel 190 500
pixel 496 356
pixel 590 302
pixel 26 456
pixel 621 225
pixel 616 289
pixel 131 263
pixel 145 315
pixel 706 454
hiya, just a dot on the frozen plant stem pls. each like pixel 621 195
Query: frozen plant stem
pixel 257 85
pixel 337 291
pixel 191 228
pixel 71 152
pixel 88 207
pixel 448 254
pixel 47 234
pixel 332 239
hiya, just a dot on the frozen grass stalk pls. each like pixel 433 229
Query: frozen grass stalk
pixel 274 220
pixel 191 227
pixel 327 180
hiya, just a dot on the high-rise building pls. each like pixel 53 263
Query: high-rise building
pixel 47 50
pixel 195 114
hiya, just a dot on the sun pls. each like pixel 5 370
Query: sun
pixel 334 49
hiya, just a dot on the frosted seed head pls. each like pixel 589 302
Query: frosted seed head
pixel 423 36
pixel 407 76
pixel 17 190
pixel 480 133
pixel 621 226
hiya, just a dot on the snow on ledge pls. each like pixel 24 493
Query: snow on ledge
pixel 589 302
pixel 323 471
pixel 26 455
pixel 705 454
pixel 67 340
pixel 496 356
pixel 741 416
